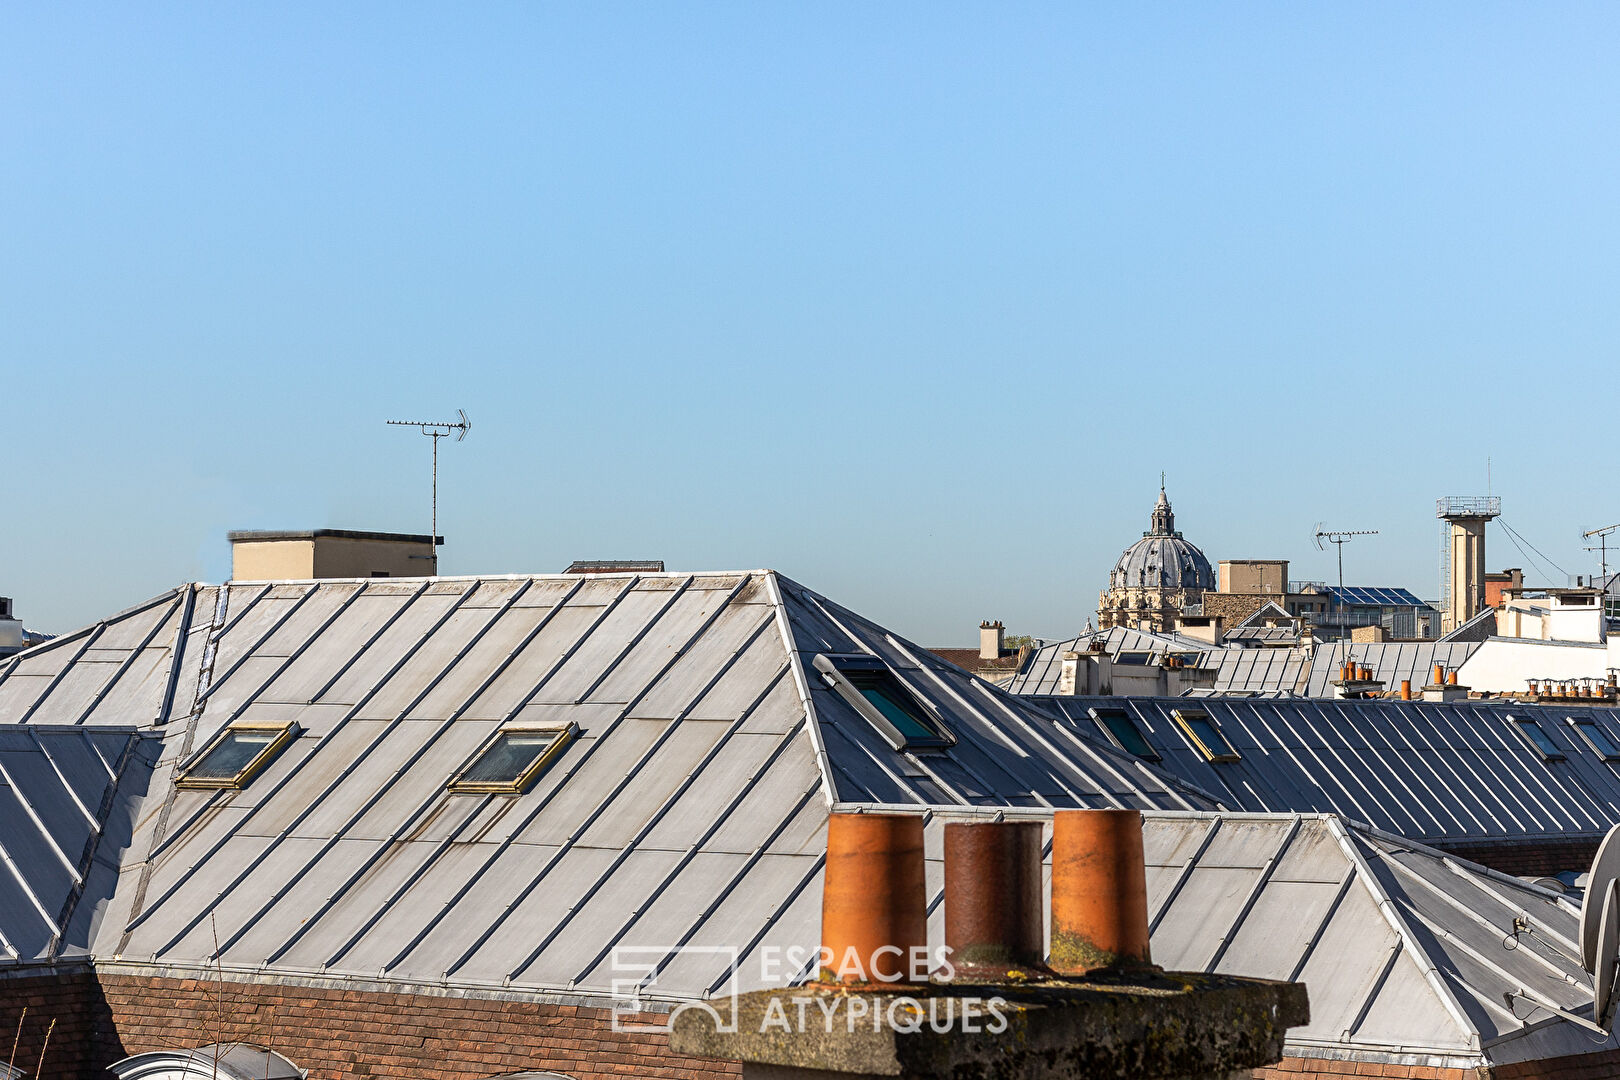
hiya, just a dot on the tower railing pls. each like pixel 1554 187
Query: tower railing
pixel 1468 506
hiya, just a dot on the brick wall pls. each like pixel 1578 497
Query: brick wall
pixel 1540 857
pixel 329 1031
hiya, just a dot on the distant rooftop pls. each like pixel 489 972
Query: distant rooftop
pixel 252 535
pixel 615 566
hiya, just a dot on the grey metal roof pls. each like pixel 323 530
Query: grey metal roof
pixel 690 809
pixel 1250 670
pixel 1438 773
pixel 66 798
pixel 1266 669
pixel 1406 952
pixel 1478 628
pixel 1391 661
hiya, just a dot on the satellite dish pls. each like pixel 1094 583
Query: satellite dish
pixel 1605 869
pixel 1608 939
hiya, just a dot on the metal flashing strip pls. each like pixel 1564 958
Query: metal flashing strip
pixel 177 653
pixel 812 725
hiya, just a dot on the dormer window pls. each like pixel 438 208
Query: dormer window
pixel 868 686
pixel 1205 735
pixel 512 759
pixel 235 756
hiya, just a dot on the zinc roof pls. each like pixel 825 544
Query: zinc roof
pixel 1436 772
pixel 689 810
pixel 66 796
pixel 1391 661
pixel 1405 951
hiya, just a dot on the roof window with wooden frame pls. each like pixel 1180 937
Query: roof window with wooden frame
pixel 1205 734
pixel 1122 731
pixel 512 759
pixel 868 686
pixel 1596 736
pixel 235 756
pixel 1530 731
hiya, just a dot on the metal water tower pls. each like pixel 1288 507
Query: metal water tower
pixel 1463 554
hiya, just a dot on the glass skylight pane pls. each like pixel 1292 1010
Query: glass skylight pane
pixel 906 724
pixel 892 702
pixel 1598 738
pixel 1127 735
pixel 511 755
pixel 1133 658
pixel 1540 739
pixel 1207 735
pixel 232 754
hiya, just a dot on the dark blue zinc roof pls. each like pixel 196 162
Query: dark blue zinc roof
pixel 1438 773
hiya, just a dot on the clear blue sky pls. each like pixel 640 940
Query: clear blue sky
pixel 910 301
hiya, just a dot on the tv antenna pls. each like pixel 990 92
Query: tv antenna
pixel 436 430
pixel 1602 548
pixel 1338 540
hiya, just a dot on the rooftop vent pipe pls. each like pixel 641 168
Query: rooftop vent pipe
pixel 1099 890
pixel 874 898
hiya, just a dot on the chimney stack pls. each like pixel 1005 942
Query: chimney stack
pixel 992 640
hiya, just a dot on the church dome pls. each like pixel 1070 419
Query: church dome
pixel 1162 559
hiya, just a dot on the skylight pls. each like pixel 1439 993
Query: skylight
pixel 235 756
pixel 1205 735
pixel 868 686
pixel 1597 738
pixel 512 759
pixel 1123 733
pixel 1538 739
pixel 1133 657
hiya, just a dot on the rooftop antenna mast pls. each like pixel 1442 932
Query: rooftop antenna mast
pixel 1602 548
pixel 1338 539
pixel 436 430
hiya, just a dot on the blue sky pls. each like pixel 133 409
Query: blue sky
pixel 912 302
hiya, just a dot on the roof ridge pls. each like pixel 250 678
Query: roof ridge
pixel 1409 941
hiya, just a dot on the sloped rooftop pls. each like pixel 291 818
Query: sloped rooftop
pixel 689 810
pixel 66 796
pixel 1252 669
pixel 1453 773
pixel 1408 954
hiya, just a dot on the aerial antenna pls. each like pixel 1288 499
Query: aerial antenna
pixel 1602 548
pixel 1338 539
pixel 436 430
